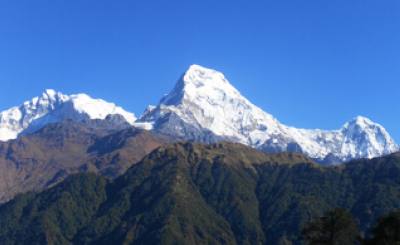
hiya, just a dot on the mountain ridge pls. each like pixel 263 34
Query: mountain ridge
pixel 37 161
pixel 203 106
pixel 204 102
pixel 52 107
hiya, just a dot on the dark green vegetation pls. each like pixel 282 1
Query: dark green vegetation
pixel 203 194
pixel 387 231
pixel 336 227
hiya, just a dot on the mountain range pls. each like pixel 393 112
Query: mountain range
pixel 204 166
pixel 204 107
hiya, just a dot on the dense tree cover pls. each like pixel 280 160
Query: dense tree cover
pixel 336 227
pixel 387 231
pixel 54 216
pixel 339 227
pixel 204 194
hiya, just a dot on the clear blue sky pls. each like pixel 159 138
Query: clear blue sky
pixel 310 63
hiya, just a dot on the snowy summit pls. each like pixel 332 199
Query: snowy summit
pixel 52 107
pixel 205 107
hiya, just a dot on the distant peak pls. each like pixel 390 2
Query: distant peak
pixel 362 123
pixel 197 73
pixel 52 106
pixel 361 120
pixel 195 67
pixel 201 79
pixel 202 83
pixel 200 69
pixel 52 95
pixel 49 93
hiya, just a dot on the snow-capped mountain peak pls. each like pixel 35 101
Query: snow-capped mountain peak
pixel 365 138
pixel 200 83
pixel 51 93
pixel 197 76
pixel 204 99
pixel 204 106
pixel 53 106
pixel 362 122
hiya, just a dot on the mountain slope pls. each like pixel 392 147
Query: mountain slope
pixel 205 107
pixel 175 195
pixel 202 194
pixel 53 107
pixel 44 158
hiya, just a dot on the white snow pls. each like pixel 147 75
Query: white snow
pixel 54 106
pixel 98 108
pixel 205 100
pixel 204 97
pixel 208 99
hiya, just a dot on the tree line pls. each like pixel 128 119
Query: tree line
pixel 338 227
